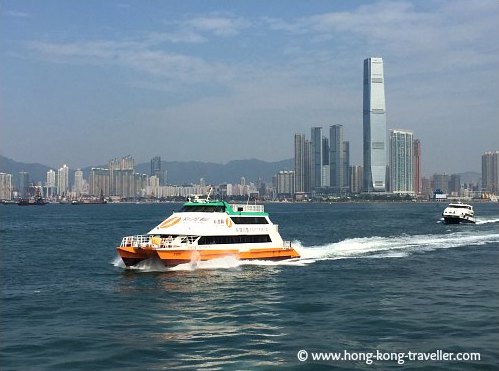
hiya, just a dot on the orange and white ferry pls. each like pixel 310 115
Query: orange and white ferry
pixel 206 229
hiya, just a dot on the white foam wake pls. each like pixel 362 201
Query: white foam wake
pixel 480 220
pixel 396 246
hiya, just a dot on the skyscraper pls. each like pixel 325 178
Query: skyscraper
pixel 23 184
pixel 299 162
pixel 326 180
pixel 490 172
pixel 316 171
pixel 418 184
pixel 401 161
pixel 156 169
pixel 339 162
pixel 374 122
pixel 63 180
pixel 5 186
pixel 78 186
pixel 307 174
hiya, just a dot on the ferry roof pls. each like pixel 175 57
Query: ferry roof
pixel 222 206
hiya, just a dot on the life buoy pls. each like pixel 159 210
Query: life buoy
pixel 228 222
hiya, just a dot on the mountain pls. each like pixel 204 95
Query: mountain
pixel 36 171
pixel 178 172
pixel 190 172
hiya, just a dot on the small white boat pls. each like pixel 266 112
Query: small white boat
pixel 459 213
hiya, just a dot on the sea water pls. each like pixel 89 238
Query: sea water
pixel 373 277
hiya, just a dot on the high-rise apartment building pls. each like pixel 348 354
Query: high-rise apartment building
pixel 78 186
pixel 51 183
pixel 23 184
pixel 5 186
pixel 63 180
pixel 307 159
pixel 339 159
pixel 490 172
pixel 418 183
pixel 99 182
pixel 300 162
pixel 285 183
pixel 156 169
pixel 356 181
pixel 121 174
pixel 326 179
pixel 401 161
pixel 374 122
pixel 316 171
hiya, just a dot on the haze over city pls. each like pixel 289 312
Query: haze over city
pixel 85 82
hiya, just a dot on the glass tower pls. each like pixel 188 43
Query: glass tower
pixel 374 119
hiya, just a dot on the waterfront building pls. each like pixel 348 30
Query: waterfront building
pixel 326 169
pixel 307 174
pixel 316 169
pixel 418 185
pixel 156 169
pixel 374 126
pixel 300 162
pixel 356 179
pixel 401 161
pixel 339 159
pixel 440 182
pixel 455 185
pixel 5 186
pixel 63 180
pixel 490 172
pixel 51 183
pixel 23 184
pixel 99 182
pixel 121 177
pixel 79 182
pixel 285 182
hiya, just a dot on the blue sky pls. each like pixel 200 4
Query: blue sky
pixel 82 82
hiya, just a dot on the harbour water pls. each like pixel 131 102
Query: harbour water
pixel 378 277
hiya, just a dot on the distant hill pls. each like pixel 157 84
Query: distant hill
pixel 190 172
pixel 178 172
pixel 36 171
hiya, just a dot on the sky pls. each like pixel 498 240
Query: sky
pixel 83 82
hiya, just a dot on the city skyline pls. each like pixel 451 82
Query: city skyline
pixel 86 82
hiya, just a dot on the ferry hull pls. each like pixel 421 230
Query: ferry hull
pixel 457 220
pixel 171 258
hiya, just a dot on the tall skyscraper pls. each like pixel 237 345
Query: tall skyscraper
pixel 418 183
pixel 78 187
pixel 356 182
pixel 99 182
pixel 299 162
pixel 156 169
pixel 339 159
pixel 326 179
pixel 51 184
pixel 374 122
pixel 316 174
pixel 401 161
pixel 63 180
pixel 307 174
pixel 5 186
pixel 23 184
pixel 121 177
pixel 490 172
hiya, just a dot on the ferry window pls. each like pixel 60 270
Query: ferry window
pixel 202 209
pixel 249 220
pixel 214 240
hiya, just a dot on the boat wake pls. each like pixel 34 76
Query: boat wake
pixel 393 247
pixel 354 248
pixel 480 220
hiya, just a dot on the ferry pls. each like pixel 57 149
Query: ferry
pixel 459 213
pixel 205 229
